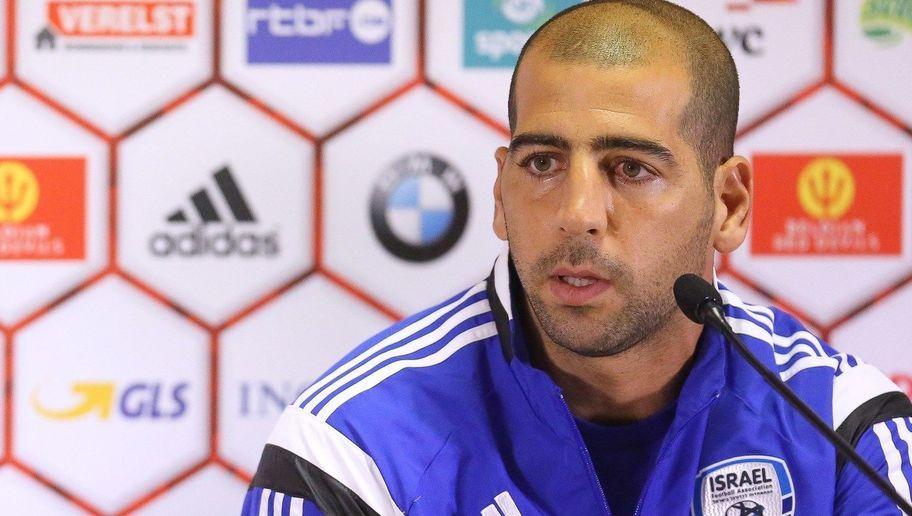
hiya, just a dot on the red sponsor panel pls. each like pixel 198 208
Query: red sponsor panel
pixel 122 19
pixel 827 205
pixel 904 381
pixel 42 208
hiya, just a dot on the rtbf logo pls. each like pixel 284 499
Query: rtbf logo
pixel 318 31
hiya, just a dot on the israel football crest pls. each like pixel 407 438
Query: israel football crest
pixel 749 485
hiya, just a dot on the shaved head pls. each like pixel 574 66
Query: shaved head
pixel 631 33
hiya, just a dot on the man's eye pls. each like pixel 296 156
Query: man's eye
pixel 631 170
pixel 542 164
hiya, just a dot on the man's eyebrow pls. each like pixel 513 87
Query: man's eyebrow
pixel 547 140
pixel 650 147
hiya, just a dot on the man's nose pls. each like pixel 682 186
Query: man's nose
pixel 586 201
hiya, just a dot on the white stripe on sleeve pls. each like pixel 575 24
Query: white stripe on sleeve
pixel 402 334
pixel 264 503
pixel 855 386
pixel 332 452
pixel 429 339
pixel 894 460
pixel 458 342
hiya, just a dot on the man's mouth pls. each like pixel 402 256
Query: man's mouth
pixel 577 281
pixel 576 287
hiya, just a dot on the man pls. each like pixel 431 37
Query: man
pixel 568 382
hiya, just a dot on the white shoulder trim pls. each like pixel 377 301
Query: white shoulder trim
pixel 854 387
pixel 308 437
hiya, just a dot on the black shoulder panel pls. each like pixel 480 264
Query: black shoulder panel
pixel 876 410
pixel 501 321
pixel 281 470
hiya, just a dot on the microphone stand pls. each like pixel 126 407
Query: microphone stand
pixel 712 314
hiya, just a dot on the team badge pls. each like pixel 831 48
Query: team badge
pixel 749 485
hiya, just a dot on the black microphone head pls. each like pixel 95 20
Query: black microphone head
pixel 692 294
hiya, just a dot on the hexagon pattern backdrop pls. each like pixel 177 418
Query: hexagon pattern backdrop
pixel 205 203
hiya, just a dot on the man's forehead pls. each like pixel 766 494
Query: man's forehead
pixel 549 92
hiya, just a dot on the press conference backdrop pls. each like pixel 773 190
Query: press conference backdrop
pixel 204 204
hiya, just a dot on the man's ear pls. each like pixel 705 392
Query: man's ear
pixel 733 190
pixel 500 222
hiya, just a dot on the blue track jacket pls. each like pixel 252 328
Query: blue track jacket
pixel 443 414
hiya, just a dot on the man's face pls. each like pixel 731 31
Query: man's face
pixel 602 202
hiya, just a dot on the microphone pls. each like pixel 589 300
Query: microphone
pixel 702 304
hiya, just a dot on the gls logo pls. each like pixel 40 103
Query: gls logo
pixel 200 240
pixel 138 400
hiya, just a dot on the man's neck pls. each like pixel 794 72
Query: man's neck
pixel 627 387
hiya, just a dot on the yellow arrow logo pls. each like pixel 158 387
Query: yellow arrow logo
pixel 94 397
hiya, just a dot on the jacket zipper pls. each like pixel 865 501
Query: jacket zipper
pixel 661 456
pixel 581 446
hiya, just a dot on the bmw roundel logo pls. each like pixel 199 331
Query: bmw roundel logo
pixel 419 207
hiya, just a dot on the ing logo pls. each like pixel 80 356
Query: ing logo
pixel 19 192
pixel 826 188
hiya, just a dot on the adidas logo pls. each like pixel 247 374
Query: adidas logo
pixel 505 503
pixel 212 232
pixel 207 212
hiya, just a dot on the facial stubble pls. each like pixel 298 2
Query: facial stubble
pixel 648 303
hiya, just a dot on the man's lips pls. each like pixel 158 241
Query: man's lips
pixel 576 287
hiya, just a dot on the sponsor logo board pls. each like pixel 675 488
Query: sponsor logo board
pixel 887 21
pixel 742 35
pixel 904 381
pixel 42 208
pixel 265 400
pixel 827 205
pixel 100 25
pixel 419 207
pixel 496 30
pixel 319 31
pixel 102 400
pixel 219 223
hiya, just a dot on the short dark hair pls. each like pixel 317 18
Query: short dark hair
pixel 598 36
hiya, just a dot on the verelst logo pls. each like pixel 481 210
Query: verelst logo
pixel 319 31
pixel 827 205
pixel 886 21
pixel 207 226
pixel 42 208
pixel 101 400
pixel 496 30
pixel 107 25
pixel 419 207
